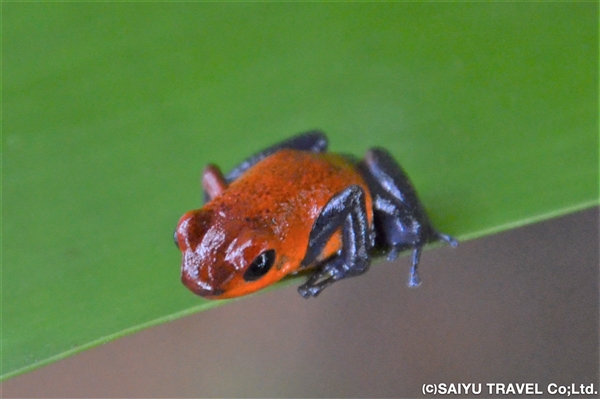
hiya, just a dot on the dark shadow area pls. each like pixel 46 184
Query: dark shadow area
pixel 516 307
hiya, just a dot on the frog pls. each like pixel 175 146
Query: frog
pixel 295 208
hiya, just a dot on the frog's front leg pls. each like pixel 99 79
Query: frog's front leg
pixel 346 210
pixel 213 182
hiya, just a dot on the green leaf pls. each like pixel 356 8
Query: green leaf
pixel 110 111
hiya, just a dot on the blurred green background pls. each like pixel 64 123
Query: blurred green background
pixel 110 111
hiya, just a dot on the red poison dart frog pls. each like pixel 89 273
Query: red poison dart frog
pixel 294 207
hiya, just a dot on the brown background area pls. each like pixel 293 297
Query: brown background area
pixel 520 306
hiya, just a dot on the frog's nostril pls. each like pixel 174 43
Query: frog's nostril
pixel 202 289
pixel 206 293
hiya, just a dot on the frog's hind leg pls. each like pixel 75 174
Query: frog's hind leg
pixel 400 221
pixel 346 210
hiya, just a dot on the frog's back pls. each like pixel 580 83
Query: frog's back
pixel 287 192
pixel 304 179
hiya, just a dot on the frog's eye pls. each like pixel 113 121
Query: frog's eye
pixel 260 266
pixel 175 239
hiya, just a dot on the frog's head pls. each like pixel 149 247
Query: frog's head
pixel 225 257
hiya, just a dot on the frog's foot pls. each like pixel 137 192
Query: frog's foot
pixel 315 284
